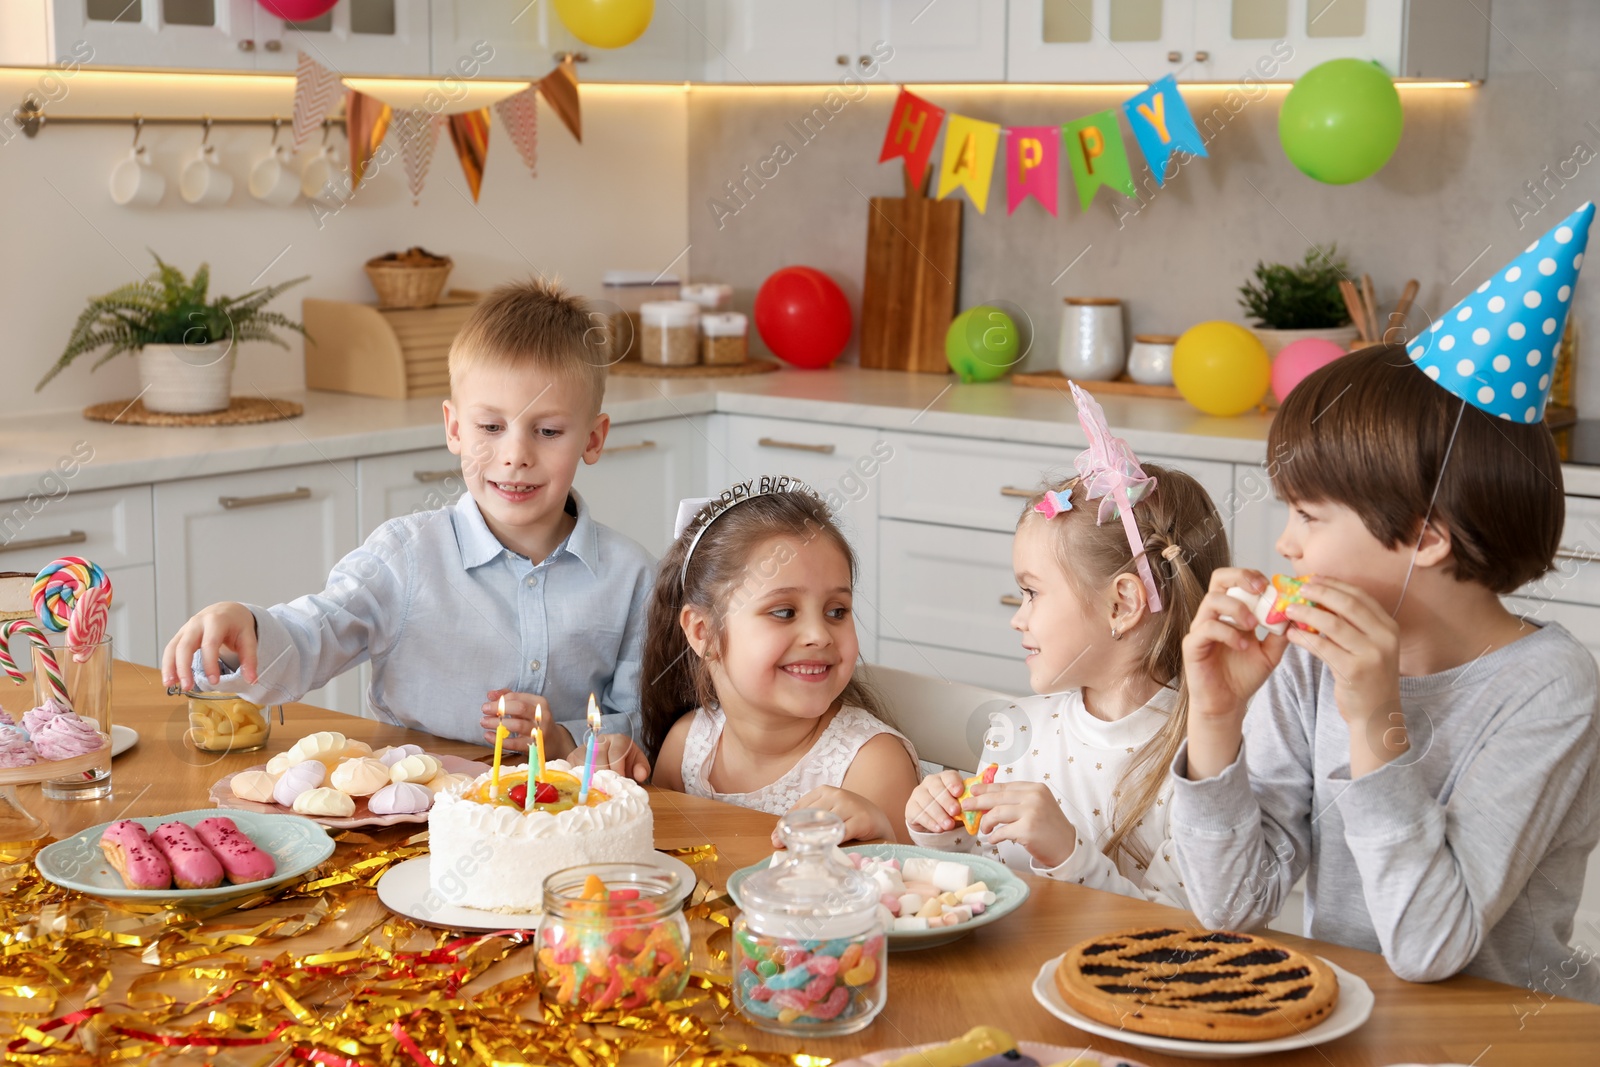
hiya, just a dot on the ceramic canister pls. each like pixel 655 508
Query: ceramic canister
pixel 1150 358
pixel 1091 338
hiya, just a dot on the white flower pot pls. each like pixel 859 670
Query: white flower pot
pixel 1275 341
pixel 186 379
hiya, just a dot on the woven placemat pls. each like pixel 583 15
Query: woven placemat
pixel 632 369
pixel 241 411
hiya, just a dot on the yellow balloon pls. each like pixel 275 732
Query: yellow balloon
pixel 606 23
pixel 1221 368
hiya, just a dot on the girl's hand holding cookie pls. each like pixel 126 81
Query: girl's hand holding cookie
pixel 1027 813
pixel 935 805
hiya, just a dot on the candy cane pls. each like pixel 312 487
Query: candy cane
pixel 52 669
pixel 58 588
pixel 90 617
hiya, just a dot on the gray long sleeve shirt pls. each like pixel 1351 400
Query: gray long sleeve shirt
pixel 1465 854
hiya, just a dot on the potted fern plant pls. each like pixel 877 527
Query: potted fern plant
pixel 185 346
pixel 1289 302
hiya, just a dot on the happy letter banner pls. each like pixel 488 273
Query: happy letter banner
pixel 1094 148
pixel 968 158
pixel 1162 124
pixel 913 127
pixel 1033 158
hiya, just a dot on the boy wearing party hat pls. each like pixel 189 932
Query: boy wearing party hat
pixel 1430 759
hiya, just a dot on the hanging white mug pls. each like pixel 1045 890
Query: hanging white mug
pixel 135 183
pixel 324 179
pixel 203 181
pixel 271 180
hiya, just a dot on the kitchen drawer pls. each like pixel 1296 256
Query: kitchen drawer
pixel 109 526
pixel 1575 577
pixel 1000 673
pixel 947 587
pixel 635 485
pixel 402 483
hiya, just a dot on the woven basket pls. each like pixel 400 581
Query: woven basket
pixel 401 286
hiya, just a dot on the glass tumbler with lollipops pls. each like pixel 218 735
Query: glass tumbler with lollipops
pixel 72 597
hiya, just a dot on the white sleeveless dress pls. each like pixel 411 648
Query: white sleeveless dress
pixel 825 764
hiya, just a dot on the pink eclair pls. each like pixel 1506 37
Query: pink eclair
pixel 129 849
pixel 240 857
pixel 193 865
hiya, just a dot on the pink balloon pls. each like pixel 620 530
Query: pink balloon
pixel 1296 361
pixel 298 10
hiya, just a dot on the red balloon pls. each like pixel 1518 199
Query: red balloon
pixel 803 316
pixel 298 10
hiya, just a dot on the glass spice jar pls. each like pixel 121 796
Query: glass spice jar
pixel 613 935
pixel 809 951
pixel 724 338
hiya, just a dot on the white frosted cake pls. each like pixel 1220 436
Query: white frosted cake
pixel 495 855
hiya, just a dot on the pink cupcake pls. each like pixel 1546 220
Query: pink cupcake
pixel 15 749
pixel 33 721
pixel 66 737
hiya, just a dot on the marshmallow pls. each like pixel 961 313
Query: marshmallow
pixel 911 903
pixel 950 875
pixel 905 923
pixel 919 869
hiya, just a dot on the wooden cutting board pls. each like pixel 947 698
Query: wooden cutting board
pixel 909 293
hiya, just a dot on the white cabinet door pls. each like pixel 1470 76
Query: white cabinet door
pixel 646 468
pixel 264 537
pixel 506 36
pixel 949 588
pixel 132 626
pixel 109 526
pixel 761 42
pixel 405 482
pixel 355 37
pixel 1005 675
pixel 1258 521
pixel 188 34
pixel 1280 40
pixel 843 464
pixel 1099 40
pixel 945 41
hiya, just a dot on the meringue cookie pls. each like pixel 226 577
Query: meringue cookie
pixel 33 720
pixel 359 777
pixel 395 753
pixel 256 786
pixel 444 780
pixel 278 764
pixel 298 779
pixel 15 749
pixel 417 768
pixel 401 798
pixel 354 749
pixel 325 801
pixel 6 719
pixel 325 746
pixel 67 737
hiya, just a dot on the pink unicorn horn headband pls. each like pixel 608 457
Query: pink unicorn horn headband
pixel 1110 473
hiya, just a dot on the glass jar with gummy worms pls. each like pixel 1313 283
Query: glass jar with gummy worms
pixel 809 951
pixel 613 935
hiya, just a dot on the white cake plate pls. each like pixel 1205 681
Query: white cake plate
pixel 403 889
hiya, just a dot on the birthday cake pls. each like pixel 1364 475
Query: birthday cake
pixel 493 852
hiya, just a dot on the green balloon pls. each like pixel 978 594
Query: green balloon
pixel 1341 121
pixel 981 344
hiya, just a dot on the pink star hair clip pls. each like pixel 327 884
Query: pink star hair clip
pixel 1110 472
pixel 1054 503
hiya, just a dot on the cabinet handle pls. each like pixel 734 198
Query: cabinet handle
pixel 1577 555
pixel 1174 57
pixel 232 502
pixel 1011 490
pixel 247 45
pixel 637 446
pixel 436 476
pixel 76 537
pixel 273 45
pixel 576 57
pixel 794 446
pixel 843 61
pixel 1202 57
pixel 864 62
pixel 1011 601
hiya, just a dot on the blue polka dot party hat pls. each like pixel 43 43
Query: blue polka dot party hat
pixel 1497 348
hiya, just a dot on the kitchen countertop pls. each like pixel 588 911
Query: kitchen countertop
pixel 340 426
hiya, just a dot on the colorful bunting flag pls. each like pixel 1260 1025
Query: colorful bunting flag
pixel 1162 124
pixel 1094 148
pixel 469 132
pixel 560 89
pixel 1033 160
pixel 519 112
pixel 366 121
pixel 316 90
pixel 418 130
pixel 968 158
pixel 913 127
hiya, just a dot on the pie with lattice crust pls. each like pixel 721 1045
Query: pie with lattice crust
pixel 1197 985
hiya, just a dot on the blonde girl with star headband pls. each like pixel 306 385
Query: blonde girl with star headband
pixel 1112 566
pixel 750 653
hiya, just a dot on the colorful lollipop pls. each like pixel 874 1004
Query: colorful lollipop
pixel 59 587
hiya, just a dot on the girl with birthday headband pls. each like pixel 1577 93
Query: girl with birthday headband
pixel 750 693
pixel 1112 565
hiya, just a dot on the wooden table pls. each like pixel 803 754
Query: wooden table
pixel 934 994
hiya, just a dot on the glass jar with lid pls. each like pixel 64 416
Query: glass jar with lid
pixel 669 333
pixel 809 951
pixel 613 935
pixel 226 722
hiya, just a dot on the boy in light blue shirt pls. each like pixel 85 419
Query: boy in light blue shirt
pixel 514 591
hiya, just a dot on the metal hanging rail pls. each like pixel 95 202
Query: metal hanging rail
pixel 31 118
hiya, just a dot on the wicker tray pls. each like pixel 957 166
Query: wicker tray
pixel 241 411
pixel 1054 379
pixel 634 369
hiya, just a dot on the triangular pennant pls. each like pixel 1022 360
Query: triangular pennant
pixel 560 90
pixel 469 132
pixel 968 158
pixel 913 127
pixel 1033 161
pixel 418 130
pixel 1162 125
pixel 1094 147
pixel 519 112
pixel 366 121
pixel 1496 349
pixel 316 90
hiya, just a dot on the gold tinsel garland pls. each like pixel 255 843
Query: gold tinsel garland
pixel 372 1000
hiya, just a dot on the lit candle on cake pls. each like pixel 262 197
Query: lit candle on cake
pixel 500 735
pixel 538 740
pixel 588 761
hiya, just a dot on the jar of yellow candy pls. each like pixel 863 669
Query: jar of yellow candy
pixel 226 722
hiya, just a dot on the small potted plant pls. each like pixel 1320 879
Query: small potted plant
pixel 1290 302
pixel 185 347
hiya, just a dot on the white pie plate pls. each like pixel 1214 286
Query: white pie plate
pixel 1353 1009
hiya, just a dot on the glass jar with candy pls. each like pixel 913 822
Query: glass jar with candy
pixel 613 935
pixel 809 948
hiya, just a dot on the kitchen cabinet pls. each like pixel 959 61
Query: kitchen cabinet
pixel 262 537
pixel 132 622
pixel 1000 673
pixel 355 37
pixel 401 483
pixel 109 526
pixel 646 468
pixel 947 587
pixel 529 38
